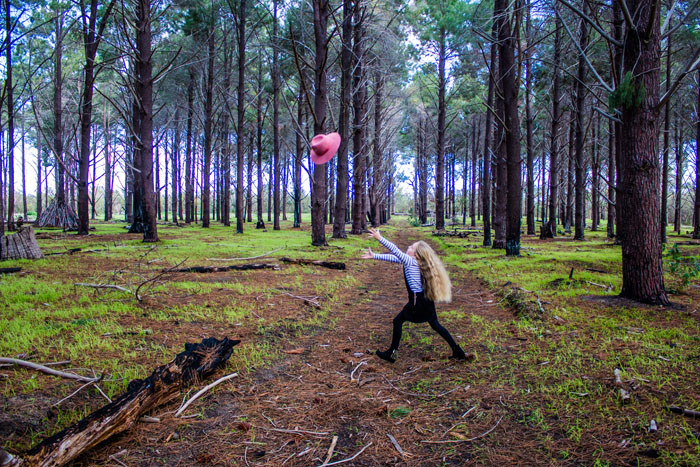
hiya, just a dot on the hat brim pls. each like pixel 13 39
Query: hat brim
pixel 333 146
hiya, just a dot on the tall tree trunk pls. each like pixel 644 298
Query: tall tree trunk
pixel 511 128
pixel 91 40
pixel 551 230
pixel 489 145
pixel 174 172
pixel 465 175
pixel 298 158
pixel 642 273
pixel 358 152
pixel 440 165
pixel 341 197
pixel 611 179
pixel 377 162
pixel 696 206
pixel 529 122
pixel 208 130
pixel 108 166
pixel 667 144
pixel 249 184
pixel 580 193
pixel 241 116
pixel 144 70
pixel 24 176
pixel 595 168
pixel 679 179
pixel 10 121
pixel 189 151
pixel 275 118
pixel 58 110
pixel 39 148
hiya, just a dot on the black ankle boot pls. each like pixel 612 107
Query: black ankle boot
pixel 458 354
pixel 387 355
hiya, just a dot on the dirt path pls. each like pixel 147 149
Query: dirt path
pixel 330 383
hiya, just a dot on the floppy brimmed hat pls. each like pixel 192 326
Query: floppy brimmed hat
pixel 324 147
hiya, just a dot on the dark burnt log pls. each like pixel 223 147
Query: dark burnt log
pixel 324 264
pixel 237 267
pixel 9 271
pixel 196 363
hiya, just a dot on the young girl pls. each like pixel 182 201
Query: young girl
pixel 427 282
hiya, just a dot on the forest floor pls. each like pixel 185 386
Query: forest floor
pixel 541 389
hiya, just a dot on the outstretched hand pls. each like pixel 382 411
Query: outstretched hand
pixel 374 233
pixel 368 254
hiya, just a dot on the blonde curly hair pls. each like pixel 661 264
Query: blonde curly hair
pixel 436 281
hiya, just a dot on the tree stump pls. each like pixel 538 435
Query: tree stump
pixel 20 245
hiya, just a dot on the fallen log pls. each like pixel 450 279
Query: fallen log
pixel 324 264
pixel 197 362
pixel 20 245
pixel 235 267
pixel 9 270
pixel 682 411
pixel 460 234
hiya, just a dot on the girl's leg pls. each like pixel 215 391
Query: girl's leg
pixel 457 351
pixel 388 354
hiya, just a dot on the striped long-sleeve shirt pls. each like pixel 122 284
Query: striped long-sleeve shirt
pixel 411 270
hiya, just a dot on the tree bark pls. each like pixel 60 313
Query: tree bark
pixel 667 145
pixel 241 116
pixel 440 164
pixel 275 119
pixel 208 130
pixel 679 179
pixel 580 193
pixel 511 128
pixel 358 152
pixel 611 179
pixel 39 148
pixel 551 229
pixel 529 123
pixel 642 273
pixel 189 151
pixel 341 197
pixel 10 121
pixel 696 206
pixel 489 143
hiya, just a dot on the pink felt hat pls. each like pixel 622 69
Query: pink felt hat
pixel 324 147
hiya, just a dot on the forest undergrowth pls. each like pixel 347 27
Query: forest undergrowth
pixel 565 372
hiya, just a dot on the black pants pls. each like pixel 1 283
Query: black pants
pixel 422 311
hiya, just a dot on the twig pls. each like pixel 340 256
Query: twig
pixel 467 412
pixel 104 286
pixel 297 432
pixel 241 259
pixel 467 440
pixel 330 451
pixel 202 391
pixel 396 445
pixel 350 458
pixel 353 371
pixel 73 393
pixel 66 362
pixel 45 369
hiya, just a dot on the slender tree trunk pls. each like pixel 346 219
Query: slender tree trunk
pixel 696 206
pixel 595 168
pixel 208 130
pixel 359 97
pixel 298 158
pixel 189 151
pixel 529 123
pixel 611 179
pixel 241 116
pixel 275 119
pixel 108 166
pixel 39 148
pixel 24 176
pixel 580 193
pixel 551 229
pixel 489 144
pixel 472 201
pixel 249 185
pixel 58 110
pixel 642 273
pixel 679 179
pixel 511 128
pixel 667 144
pixel 440 165
pixel 465 175
pixel 175 158
pixel 10 121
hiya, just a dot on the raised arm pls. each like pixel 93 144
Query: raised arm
pixel 396 251
pixel 390 258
